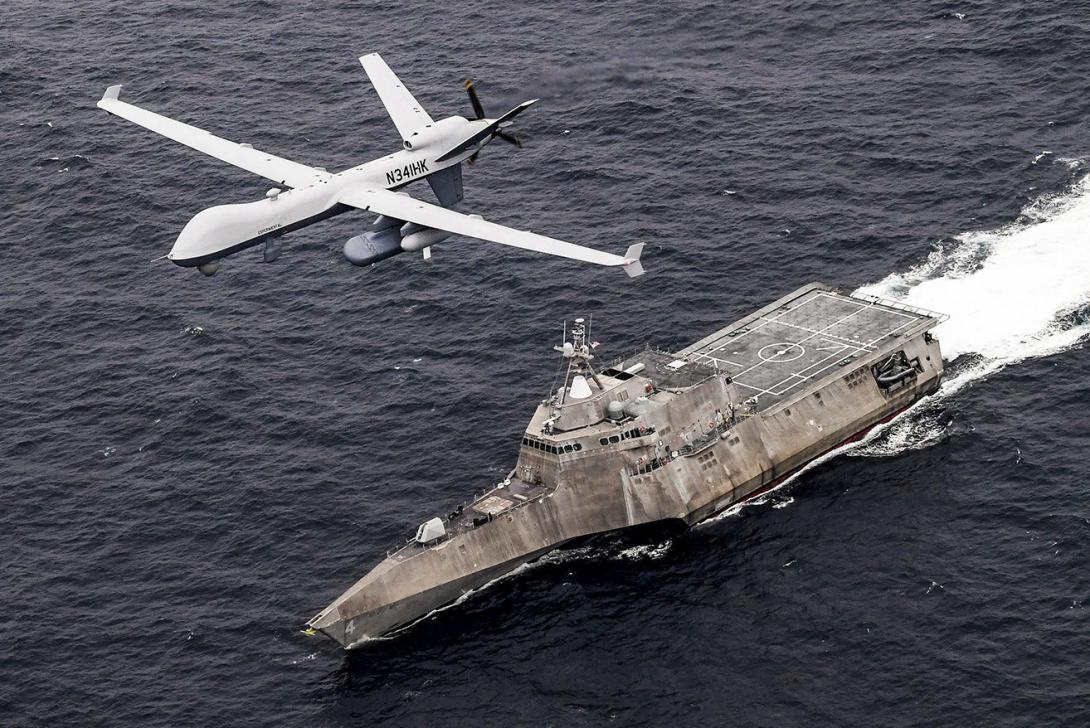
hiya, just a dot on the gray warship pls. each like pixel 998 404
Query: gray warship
pixel 661 436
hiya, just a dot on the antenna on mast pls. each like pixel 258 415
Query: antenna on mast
pixel 577 352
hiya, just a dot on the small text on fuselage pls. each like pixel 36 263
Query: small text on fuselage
pixel 406 173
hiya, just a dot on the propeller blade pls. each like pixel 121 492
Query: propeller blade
pixel 509 138
pixel 476 102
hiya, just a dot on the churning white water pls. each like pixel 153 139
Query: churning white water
pixel 1014 293
pixel 1009 292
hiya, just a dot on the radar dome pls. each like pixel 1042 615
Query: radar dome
pixel 579 387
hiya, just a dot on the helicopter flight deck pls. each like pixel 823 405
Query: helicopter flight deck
pixel 779 349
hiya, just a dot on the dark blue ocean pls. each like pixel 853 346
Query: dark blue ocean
pixel 192 467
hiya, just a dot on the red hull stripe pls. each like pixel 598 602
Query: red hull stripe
pixel 854 438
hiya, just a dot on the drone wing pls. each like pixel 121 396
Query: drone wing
pixel 407 113
pixel 280 170
pixel 403 207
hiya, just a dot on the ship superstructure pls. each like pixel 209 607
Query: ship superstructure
pixel 661 436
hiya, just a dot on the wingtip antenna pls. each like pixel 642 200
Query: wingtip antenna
pixel 633 267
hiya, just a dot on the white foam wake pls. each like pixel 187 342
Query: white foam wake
pixel 1012 294
pixel 1007 291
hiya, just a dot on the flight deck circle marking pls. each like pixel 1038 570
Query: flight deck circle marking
pixel 782 352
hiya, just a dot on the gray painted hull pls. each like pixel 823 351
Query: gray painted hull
pixel 362 628
pixel 827 368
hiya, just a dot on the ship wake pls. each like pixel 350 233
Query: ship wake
pixel 1019 292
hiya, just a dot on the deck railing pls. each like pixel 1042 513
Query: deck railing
pixel 940 317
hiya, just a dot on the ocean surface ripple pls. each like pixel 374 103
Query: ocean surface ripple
pixel 192 467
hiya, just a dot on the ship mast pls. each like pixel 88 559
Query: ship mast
pixel 577 352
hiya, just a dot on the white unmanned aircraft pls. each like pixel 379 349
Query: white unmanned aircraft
pixel 432 150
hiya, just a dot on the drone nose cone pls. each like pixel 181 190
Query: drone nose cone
pixel 178 253
pixel 208 235
pixel 193 242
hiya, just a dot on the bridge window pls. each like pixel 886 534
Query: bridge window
pixel 553 449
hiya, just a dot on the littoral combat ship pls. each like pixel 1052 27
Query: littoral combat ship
pixel 661 436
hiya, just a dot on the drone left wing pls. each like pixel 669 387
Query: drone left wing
pixel 403 207
pixel 280 170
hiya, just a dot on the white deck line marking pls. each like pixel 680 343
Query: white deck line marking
pixel 807 377
pixel 789 387
pixel 819 294
pixel 849 342
pixel 717 360
pixel 812 335
pixel 861 308
pixel 802 377
pixel 872 304
pixel 872 342
pixel 836 346
pixel 756 389
pixel 765 320
pixel 847 347
pixel 891 332
pixel 781 352
pixel 886 309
